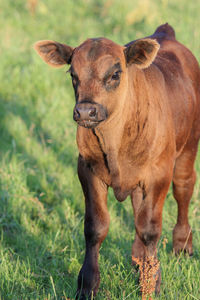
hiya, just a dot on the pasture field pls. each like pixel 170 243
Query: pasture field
pixel 41 202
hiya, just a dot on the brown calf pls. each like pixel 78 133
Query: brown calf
pixel 138 115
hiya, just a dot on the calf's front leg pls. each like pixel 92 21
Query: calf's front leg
pixel 148 207
pixel 95 228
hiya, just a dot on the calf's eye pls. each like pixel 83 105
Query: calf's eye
pixel 116 75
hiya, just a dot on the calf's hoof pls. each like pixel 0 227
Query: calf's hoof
pixel 182 240
pixel 81 296
pixel 88 283
pixel 178 250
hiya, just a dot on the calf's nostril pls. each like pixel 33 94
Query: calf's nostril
pixel 92 112
pixel 76 114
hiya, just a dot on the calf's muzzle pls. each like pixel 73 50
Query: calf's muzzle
pixel 88 114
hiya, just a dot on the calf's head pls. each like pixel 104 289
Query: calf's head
pixel 99 72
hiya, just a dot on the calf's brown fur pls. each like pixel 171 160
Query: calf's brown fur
pixel 138 114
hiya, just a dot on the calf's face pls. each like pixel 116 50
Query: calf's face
pixel 99 72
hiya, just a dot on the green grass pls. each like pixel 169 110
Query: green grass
pixel 41 202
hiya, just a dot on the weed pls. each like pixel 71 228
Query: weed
pixel 149 272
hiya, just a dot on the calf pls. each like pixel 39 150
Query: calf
pixel 138 115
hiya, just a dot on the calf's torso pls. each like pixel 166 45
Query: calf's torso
pixel 143 141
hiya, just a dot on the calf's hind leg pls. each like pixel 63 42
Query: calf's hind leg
pixel 183 184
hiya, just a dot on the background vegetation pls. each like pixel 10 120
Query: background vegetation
pixel 41 203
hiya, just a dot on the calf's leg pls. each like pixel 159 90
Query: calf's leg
pixel 95 228
pixel 183 184
pixel 148 207
pixel 138 248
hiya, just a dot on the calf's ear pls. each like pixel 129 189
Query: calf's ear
pixel 53 53
pixel 141 52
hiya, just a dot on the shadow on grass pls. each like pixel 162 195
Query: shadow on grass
pixel 30 256
pixel 24 245
pixel 9 143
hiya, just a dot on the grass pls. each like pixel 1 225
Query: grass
pixel 41 202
